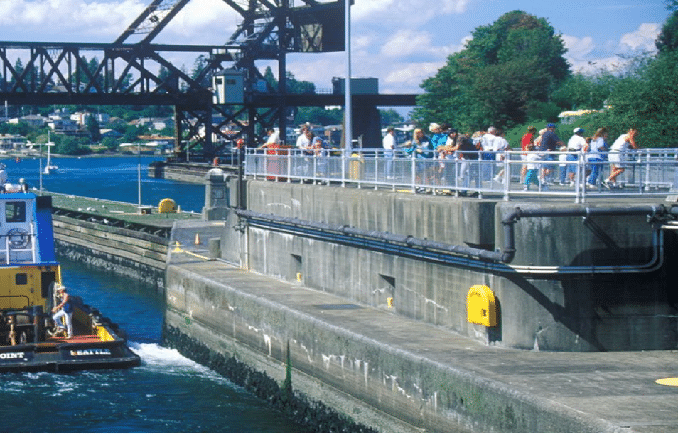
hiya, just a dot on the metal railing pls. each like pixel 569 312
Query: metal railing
pixel 648 172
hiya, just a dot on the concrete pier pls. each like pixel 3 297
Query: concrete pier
pixel 403 312
pixel 390 373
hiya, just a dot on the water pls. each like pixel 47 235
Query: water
pixel 112 178
pixel 168 393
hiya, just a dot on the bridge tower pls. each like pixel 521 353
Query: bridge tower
pixel 133 70
pixel 268 31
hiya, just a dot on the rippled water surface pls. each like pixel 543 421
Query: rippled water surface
pixel 168 393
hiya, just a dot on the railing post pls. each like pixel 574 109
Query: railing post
pixel 289 171
pixel 412 172
pixel 376 167
pixel 344 168
pixel 647 181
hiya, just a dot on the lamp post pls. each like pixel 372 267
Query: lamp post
pixel 347 82
pixel 40 171
pixel 139 175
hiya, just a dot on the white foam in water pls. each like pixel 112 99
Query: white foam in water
pixel 171 362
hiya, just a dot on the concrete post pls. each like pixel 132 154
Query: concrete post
pixel 217 201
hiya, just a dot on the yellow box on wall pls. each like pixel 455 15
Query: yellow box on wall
pixel 481 308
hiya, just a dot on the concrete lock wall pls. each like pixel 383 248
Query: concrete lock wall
pixel 563 312
pixel 374 384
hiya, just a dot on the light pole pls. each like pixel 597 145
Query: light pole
pixel 139 175
pixel 347 82
pixel 40 170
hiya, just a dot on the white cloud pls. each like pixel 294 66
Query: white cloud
pixel 642 39
pixel 406 42
pixel 578 48
pixel 74 19
pixel 411 75
pixel 105 20
pixel 418 43
pixel 416 11
pixel 587 58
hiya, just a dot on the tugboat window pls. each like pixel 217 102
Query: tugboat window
pixel 15 212
pixel 21 279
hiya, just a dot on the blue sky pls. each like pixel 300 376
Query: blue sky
pixel 401 42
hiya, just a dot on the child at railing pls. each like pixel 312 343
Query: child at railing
pixel 533 168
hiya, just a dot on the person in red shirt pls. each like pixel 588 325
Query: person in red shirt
pixel 526 142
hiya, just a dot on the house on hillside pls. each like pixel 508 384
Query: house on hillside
pixel 12 142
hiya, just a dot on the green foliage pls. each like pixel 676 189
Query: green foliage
pixel 22 128
pixel 506 69
pixel 584 92
pixel 648 101
pixel 391 117
pixel 667 40
pixel 111 143
pixel 298 87
pixel 69 145
pixel 319 116
pixel 93 128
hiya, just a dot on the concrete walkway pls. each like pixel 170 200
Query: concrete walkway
pixel 613 391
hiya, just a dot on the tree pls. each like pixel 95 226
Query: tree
pixel 390 117
pixel 92 127
pixel 298 87
pixel 505 70
pixel 584 92
pixel 667 40
pixel 319 116
pixel 199 66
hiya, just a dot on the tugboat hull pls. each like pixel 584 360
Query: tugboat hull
pixel 29 274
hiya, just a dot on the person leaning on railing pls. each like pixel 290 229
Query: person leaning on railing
pixel 420 147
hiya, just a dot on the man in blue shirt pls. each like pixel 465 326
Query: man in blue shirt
pixel 550 143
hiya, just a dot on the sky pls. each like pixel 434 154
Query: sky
pixel 401 42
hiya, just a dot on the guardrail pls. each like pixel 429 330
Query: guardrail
pixel 648 172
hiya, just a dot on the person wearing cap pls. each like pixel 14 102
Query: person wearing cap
pixel 576 145
pixel 550 143
pixel 438 137
pixel 64 310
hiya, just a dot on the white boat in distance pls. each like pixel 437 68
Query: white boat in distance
pixel 49 168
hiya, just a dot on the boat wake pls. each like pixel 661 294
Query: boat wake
pixel 155 357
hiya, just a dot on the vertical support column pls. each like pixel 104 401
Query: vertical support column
pixel 178 118
pixel 282 65
pixel 208 148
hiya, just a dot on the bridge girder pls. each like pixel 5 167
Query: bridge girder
pixel 138 73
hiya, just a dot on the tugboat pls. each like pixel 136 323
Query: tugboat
pixel 30 287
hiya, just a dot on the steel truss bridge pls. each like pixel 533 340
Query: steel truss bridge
pixel 135 71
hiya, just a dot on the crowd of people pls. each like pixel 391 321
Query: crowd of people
pixel 540 152
pixel 547 159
